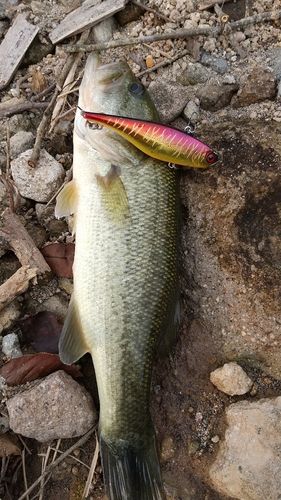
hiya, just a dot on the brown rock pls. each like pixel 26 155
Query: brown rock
pixel 214 97
pixel 260 85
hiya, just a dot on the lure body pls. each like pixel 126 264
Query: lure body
pixel 158 141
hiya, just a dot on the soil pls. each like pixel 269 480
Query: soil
pixel 187 410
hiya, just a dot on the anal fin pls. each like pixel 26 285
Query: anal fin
pixel 72 345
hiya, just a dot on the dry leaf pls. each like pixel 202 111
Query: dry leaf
pixel 32 366
pixel 38 82
pixel 9 445
pixel 41 331
pixel 60 258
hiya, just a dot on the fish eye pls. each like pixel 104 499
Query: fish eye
pixel 211 157
pixel 137 89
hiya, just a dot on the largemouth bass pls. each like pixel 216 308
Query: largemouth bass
pixel 158 141
pixel 125 297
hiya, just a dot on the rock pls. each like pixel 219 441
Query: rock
pixel 214 97
pixel 20 142
pixel 231 379
pixel 218 64
pixel 11 346
pixel 9 314
pixel 57 304
pixel 103 32
pixel 248 464
pixel 58 407
pixel 193 74
pixel 260 85
pixel 191 111
pixel 39 183
pixel 170 99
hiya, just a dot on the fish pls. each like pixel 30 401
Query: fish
pixel 125 301
pixel 158 141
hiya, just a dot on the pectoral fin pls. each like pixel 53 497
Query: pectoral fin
pixel 72 345
pixel 114 195
pixel 67 200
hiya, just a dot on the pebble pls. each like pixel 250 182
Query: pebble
pixel 56 408
pixel 231 379
pixel 9 314
pixel 193 74
pixel 20 142
pixel 169 97
pixel 215 97
pixel 39 183
pixel 248 462
pixel 218 64
pixel 11 346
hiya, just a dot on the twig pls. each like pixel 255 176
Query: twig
pixel 69 79
pixel 44 92
pixel 210 3
pixel 222 17
pixel 163 63
pixel 51 466
pixel 25 106
pixel 13 236
pixel 24 471
pixel 8 149
pixel 24 444
pixel 91 472
pixel 181 33
pixel 142 6
pixel 16 285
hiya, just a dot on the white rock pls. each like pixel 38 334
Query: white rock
pixel 39 183
pixel 11 346
pixel 58 407
pixel 248 465
pixel 231 379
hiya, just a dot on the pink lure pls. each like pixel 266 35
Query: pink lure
pixel 159 141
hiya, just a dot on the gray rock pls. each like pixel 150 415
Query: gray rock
pixel 170 99
pixel 215 97
pixel 103 32
pixel 20 142
pixel 9 314
pixel 193 74
pixel 191 111
pixel 231 379
pixel 218 64
pixel 39 183
pixel 11 346
pixel 260 85
pixel 58 407
pixel 248 465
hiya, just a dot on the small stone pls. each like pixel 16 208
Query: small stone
pixel 9 314
pixel 215 439
pixel 56 408
pixel 149 62
pixel 231 379
pixel 193 74
pixel 103 32
pixel 11 346
pixel 20 142
pixel 218 64
pixel 39 183
pixel 167 449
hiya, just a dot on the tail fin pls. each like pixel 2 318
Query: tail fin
pixel 131 471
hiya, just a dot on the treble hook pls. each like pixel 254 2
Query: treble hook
pixel 189 129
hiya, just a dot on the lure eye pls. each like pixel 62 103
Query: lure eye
pixel 137 89
pixel 211 157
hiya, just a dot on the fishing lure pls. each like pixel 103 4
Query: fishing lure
pixel 158 141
